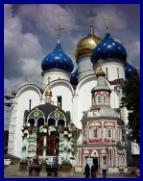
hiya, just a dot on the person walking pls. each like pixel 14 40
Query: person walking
pixel 37 167
pixel 87 171
pixel 93 171
pixel 104 170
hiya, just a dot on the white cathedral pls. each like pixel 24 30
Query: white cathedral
pixel 75 115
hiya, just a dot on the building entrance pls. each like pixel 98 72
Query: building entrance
pixel 93 161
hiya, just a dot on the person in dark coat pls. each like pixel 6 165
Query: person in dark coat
pixel 93 171
pixel 30 167
pixel 37 167
pixel 87 171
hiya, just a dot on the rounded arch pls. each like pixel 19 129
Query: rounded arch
pixel 95 153
pixel 84 80
pixel 27 86
pixel 88 79
pixel 56 115
pixel 32 114
pixel 31 121
pixel 59 82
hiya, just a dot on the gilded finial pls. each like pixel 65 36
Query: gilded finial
pixel 91 16
pixel 107 21
pixel 58 31
pixel 100 71
pixel 48 91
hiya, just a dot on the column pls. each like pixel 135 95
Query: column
pixel 102 131
pixel 45 142
pixel 116 157
pixel 109 157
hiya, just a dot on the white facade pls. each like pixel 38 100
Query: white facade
pixel 74 99
pixel 55 74
pixel 85 67
pixel 21 103
pixel 113 69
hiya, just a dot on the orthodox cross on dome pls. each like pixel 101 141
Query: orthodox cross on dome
pixel 91 16
pixel 58 31
pixel 107 22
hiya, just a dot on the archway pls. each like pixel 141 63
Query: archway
pixel 51 122
pixel 31 121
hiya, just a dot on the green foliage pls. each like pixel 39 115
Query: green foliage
pixel 131 100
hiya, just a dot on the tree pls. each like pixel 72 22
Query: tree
pixel 131 100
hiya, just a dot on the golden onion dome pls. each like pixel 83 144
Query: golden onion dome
pixel 86 45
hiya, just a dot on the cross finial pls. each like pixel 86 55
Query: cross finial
pixel 107 19
pixel 91 16
pixel 58 30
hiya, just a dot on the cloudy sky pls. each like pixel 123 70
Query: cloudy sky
pixel 30 34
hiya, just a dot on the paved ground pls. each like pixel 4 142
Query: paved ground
pixel 13 172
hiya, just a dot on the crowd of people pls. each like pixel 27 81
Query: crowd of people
pixel 92 172
pixel 34 168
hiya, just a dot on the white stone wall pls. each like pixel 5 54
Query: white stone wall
pixel 21 104
pixel 83 99
pixel 113 67
pixel 55 74
pixel 114 99
pixel 85 67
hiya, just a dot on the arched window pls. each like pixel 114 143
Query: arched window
pixel 109 133
pixel 51 122
pixel 99 99
pixel 40 122
pixel 95 133
pixel 61 122
pixel 31 122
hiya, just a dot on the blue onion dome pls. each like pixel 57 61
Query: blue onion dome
pixel 74 77
pixel 109 49
pixel 129 70
pixel 57 59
